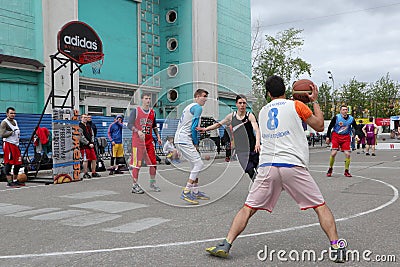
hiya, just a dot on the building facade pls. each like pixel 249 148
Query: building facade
pixel 167 48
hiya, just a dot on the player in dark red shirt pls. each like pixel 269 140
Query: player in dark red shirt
pixel 142 122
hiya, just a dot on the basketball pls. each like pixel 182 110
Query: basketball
pixel 301 90
pixel 207 157
pixel 22 178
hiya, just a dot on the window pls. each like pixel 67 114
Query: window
pixel 156 40
pixel 171 16
pixel 172 70
pixel 172 44
pixel 172 95
pixel 117 111
pixel 156 61
pixel 96 110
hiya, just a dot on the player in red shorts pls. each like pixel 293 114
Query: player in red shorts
pixel 142 122
pixel 341 125
pixel 9 131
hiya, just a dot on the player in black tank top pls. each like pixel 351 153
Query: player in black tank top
pixel 244 135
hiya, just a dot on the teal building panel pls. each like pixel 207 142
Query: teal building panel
pixel 115 22
pixel 21 35
pixel 234 44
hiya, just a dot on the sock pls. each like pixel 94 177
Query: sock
pixel 334 244
pixel 331 161
pixel 188 187
pixel 152 181
pixel 196 188
pixel 347 163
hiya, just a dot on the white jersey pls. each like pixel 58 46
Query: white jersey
pixel 183 134
pixel 282 135
pixel 14 138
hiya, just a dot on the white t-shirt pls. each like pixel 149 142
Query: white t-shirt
pixel 282 135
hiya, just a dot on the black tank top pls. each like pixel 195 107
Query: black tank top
pixel 244 138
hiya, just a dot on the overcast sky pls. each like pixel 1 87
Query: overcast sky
pixel 351 38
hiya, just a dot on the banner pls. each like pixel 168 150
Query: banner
pixel 66 153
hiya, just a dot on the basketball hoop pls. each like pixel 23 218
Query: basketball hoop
pixel 96 60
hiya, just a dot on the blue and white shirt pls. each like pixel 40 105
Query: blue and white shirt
pixel 190 119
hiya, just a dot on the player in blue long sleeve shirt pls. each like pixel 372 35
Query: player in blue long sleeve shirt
pixel 187 141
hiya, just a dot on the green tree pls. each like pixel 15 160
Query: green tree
pixel 354 94
pixel 382 93
pixel 325 100
pixel 280 57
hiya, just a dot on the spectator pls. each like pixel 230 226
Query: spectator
pixel 226 141
pixel 42 141
pixel 115 136
pixel 92 125
pixel 87 147
pixel 214 135
pixel 361 136
pixel 10 132
pixel 170 151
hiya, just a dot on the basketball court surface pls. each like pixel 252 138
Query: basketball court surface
pixel 99 222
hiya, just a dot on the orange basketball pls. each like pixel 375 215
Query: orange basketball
pixel 301 90
pixel 22 178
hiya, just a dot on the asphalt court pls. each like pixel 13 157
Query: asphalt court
pixel 99 222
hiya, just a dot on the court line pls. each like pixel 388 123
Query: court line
pixel 63 253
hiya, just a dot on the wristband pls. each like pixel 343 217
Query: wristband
pixel 314 102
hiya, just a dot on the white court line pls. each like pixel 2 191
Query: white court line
pixel 62 253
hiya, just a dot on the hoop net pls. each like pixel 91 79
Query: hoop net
pixel 96 60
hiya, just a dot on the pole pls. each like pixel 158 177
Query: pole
pixel 333 90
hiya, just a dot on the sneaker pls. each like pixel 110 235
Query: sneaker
pixel 154 187
pixel 95 174
pixel 347 174
pixel 19 183
pixel 118 172
pixel 12 185
pixel 338 255
pixel 111 172
pixel 189 197
pixel 367 154
pixel 201 196
pixel 136 189
pixel 227 159
pixel 87 176
pixel 221 250
pixel 329 173
pixel 358 152
pixel 373 154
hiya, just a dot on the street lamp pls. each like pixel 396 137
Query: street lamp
pixel 333 90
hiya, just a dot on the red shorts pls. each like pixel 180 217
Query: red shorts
pixel 341 141
pixel 12 154
pixel 141 153
pixel 88 154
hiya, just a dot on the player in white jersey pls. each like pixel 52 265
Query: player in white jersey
pixel 283 166
pixel 187 142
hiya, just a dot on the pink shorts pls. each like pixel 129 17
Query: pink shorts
pixel 296 181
